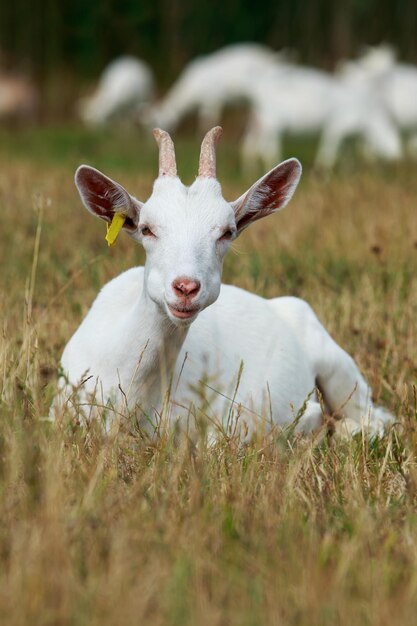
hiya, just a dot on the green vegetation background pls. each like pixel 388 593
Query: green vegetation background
pixel 48 36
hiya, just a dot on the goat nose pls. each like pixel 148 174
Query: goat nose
pixel 186 287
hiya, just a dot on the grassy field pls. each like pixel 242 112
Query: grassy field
pixel 294 532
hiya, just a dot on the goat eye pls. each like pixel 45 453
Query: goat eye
pixel 146 231
pixel 227 235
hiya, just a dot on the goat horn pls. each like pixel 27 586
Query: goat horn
pixel 207 166
pixel 167 163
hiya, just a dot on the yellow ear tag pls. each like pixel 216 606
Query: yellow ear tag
pixel 115 227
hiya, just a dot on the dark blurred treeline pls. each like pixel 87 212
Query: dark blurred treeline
pixel 80 36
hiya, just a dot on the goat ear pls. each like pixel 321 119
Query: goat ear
pixel 103 197
pixel 268 195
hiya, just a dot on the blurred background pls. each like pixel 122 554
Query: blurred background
pixel 53 55
pixel 72 40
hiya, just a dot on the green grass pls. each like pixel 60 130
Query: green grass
pixel 287 531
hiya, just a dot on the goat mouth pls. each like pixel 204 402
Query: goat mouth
pixel 183 313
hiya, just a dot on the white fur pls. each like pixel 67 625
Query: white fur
pixel 300 100
pixel 210 82
pixel 395 84
pixel 250 362
pixel 125 85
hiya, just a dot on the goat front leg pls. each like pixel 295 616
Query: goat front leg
pixel 209 115
pixel 261 144
pixel 330 144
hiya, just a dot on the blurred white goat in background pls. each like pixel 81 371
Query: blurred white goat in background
pixel 298 100
pixel 208 83
pixel 125 86
pixel 371 99
pixel 394 83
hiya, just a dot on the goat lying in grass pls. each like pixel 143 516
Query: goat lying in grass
pixel 172 324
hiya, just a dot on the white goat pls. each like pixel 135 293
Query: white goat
pixel 257 361
pixel 300 100
pixel 125 86
pixel 210 82
pixel 394 83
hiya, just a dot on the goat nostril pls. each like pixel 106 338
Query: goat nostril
pixel 194 288
pixel 186 287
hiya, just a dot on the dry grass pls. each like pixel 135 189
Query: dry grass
pixel 311 532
